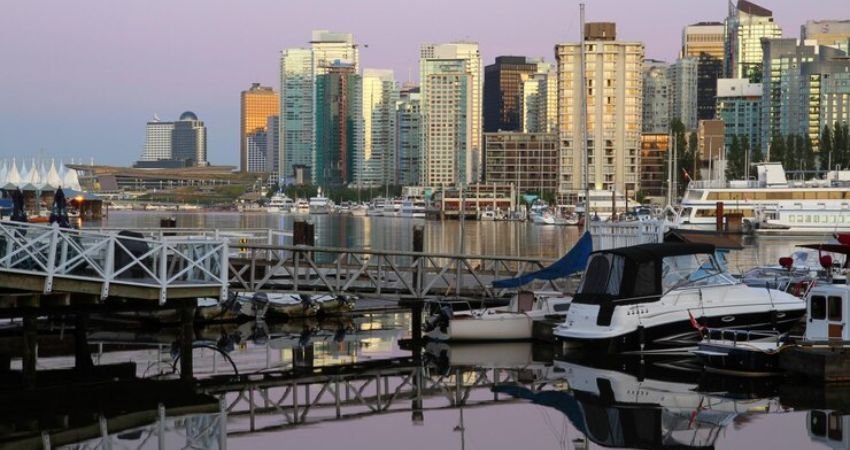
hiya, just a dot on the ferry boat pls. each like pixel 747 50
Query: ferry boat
pixel 320 204
pixel 772 202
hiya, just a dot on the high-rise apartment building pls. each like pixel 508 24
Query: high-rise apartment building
pixel 746 24
pixel 831 33
pixel 181 143
pixel 795 74
pixel 157 140
pixel 257 151
pixel 614 95
pixel 338 125
pixel 656 97
pixel 739 107
pixel 705 42
pixel 683 91
pixel 408 135
pixel 257 104
pixel 299 69
pixel 503 86
pixel 539 100
pixel 451 97
pixel 711 150
pixel 376 163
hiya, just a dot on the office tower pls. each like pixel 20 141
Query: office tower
pixel 376 163
pixel 683 91
pixel 257 104
pixel 272 149
pixel 831 33
pixel 299 68
pixel 451 112
pixel 189 140
pixel 746 24
pixel 256 144
pixel 656 97
pixel 614 103
pixel 795 76
pixel 157 140
pixel 739 107
pixel 539 100
pixel 653 167
pixel 408 135
pixel 704 42
pixel 529 161
pixel 503 84
pixel 338 124
pixel 296 106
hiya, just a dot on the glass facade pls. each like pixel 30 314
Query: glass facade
pixel 408 136
pixel 656 97
pixel 683 91
pixel 338 125
pixel 746 25
pixel 739 107
pixel 376 163
pixel 296 106
pixel 705 42
pixel 653 167
pixel 257 104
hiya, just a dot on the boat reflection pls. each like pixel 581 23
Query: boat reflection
pixel 622 410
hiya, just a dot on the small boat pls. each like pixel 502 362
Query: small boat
pixel 359 210
pixel 263 305
pixel 487 215
pixel 279 203
pixel 641 298
pixel 413 208
pixel 302 206
pixel 513 322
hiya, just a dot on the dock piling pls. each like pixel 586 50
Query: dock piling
pixel 187 336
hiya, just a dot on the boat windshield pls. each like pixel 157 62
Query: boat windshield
pixel 686 271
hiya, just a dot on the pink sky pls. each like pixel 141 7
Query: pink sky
pixel 80 78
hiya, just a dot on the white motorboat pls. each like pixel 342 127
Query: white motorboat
pixel 603 204
pixel 642 298
pixel 513 322
pixel 301 206
pixel 280 203
pixel 359 210
pixel 487 215
pixel 320 204
pixel 413 208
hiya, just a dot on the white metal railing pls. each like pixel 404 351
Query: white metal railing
pixel 236 237
pixel 113 259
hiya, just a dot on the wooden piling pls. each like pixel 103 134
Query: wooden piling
pixel 30 350
pixel 718 216
pixel 187 337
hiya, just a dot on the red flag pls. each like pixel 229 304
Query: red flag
pixel 694 323
pixel 685 173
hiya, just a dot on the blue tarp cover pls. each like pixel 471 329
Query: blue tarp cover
pixel 574 261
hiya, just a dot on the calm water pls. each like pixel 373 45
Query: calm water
pixel 487 396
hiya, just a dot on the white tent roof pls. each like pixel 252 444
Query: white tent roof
pixel 52 177
pixel 71 180
pixel 4 171
pixel 13 176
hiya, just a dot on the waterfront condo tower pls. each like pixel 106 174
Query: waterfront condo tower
pixel 257 104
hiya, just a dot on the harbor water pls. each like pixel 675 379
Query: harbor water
pixel 357 383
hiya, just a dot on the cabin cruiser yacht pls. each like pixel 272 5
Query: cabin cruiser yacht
pixel 642 298
pixel 772 201
pixel 280 203
pixel 302 206
pixel 320 204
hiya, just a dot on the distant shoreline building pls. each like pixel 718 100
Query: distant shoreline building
pixel 704 41
pixel 182 143
pixel 745 26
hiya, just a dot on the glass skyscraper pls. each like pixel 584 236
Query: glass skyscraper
pixel 746 24
pixel 376 163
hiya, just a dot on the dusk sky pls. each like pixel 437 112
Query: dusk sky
pixel 79 79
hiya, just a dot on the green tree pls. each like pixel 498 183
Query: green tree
pixel 777 149
pixel 756 156
pixel 841 144
pixel 735 160
pixel 825 155
pixel 791 160
pixel 808 154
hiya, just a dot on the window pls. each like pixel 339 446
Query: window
pixel 818 307
pixel 834 308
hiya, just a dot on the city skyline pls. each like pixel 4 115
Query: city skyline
pixel 97 71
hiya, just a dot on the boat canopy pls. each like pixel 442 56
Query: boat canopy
pixel 644 272
pixel 574 261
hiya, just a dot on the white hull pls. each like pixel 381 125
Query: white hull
pixel 490 326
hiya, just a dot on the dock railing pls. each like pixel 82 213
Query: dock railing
pixel 236 237
pixel 400 274
pixel 51 253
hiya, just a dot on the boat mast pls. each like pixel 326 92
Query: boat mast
pixel 583 111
